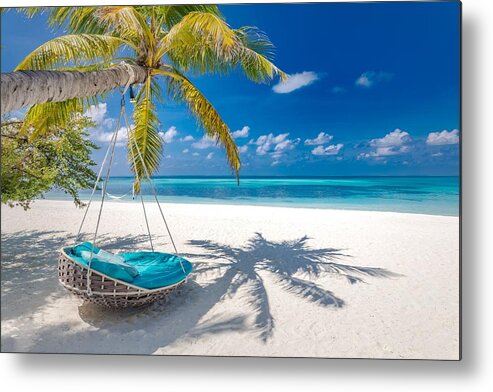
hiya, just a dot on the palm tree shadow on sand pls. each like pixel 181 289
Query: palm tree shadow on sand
pixel 29 285
pixel 240 269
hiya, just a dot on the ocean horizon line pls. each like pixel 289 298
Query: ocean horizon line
pixel 289 177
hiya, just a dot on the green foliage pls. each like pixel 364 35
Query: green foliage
pixel 33 166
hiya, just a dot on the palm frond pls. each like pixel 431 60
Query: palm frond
pixel 169 15
pixel 120 21
pixel 182 90
pixel 255 55
pixel 72 48
pixel 204 43
pixel 145 145
pixel 205 28
pixel 77 19
pixel 29 12
pixel 42 118
pixel 129 24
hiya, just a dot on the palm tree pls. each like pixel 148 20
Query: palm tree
pixel 156 46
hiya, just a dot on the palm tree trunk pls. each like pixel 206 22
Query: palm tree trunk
pixel 25 88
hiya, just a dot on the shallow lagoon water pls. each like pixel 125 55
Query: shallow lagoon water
pixel 422 195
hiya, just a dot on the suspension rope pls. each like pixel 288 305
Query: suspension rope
pixel 130 78
pixel 112 141
pixel 105 185
pixel 147 222
pixel 111 147
pixel 153 190
pixel 95 187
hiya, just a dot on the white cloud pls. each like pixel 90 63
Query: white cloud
pixel 185 151
pixel 243 149
pixel 322 138
pixel 243 132
pixel 168 156
pixel 195 154
pixel 370 78
pixel 363 155
pixel 394 143
pixel 395 138
pixel 101 136
pixel 104 126
pixel 295 81
pixel 188 138
pixel 169 135
pixel 266 143
pixel 205 142
pixel 210 155
pixel 443 138
pixel 389 151
pixel 286 145
pixel 97 113
pixel 329 150
pixel 274 145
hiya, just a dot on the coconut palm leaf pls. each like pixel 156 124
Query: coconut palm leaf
pixel 72 48
pixel 204 43
pixel 181 89
pixel 255 55
pixel 78 20
pixel 145 145
pixel 126 22
pixel 169 15
pixel 40 119
pixel 199 27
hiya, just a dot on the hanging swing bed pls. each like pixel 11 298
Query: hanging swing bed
pixel 127 279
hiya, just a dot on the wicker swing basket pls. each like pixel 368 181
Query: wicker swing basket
pixel 106 291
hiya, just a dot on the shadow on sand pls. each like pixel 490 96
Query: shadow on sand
pixel 29 281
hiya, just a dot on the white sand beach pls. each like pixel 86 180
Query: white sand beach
pixel 391 290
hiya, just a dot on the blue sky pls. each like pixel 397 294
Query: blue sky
pixel 374 90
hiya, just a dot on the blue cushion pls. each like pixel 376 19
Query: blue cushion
pixel 87 246
pixel 157 269
pixel 110 269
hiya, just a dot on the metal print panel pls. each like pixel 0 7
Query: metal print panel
pixel 278 180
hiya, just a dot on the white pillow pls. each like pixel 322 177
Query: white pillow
pixel 110 257
pixel 103 256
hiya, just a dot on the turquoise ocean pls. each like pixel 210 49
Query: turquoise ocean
pixel 421 195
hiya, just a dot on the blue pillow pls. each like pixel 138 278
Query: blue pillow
pixel 87 246
pixel 112 270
